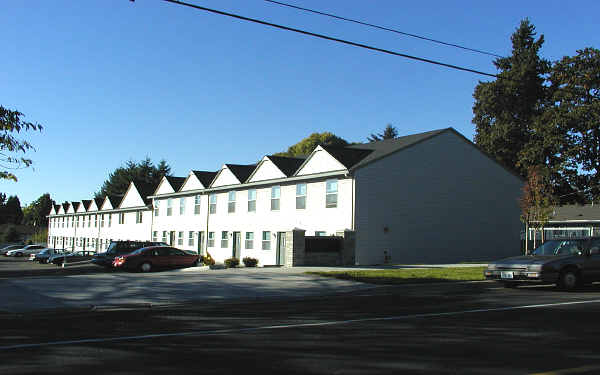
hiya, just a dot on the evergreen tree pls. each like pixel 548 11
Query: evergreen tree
pixel 388 133
pixel 12 212
pixel 35 213
pixel 144 172
pixel 506 111
pixel 308 144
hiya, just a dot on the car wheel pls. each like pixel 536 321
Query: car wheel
pixel 145 267
pixel 569 279
pixel 19 254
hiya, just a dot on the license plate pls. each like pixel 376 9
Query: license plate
pixel 506 275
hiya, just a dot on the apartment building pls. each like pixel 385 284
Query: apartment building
pixel 428 197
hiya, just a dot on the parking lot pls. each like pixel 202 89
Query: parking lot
pixel 298 324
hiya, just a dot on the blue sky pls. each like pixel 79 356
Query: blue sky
pixel 112 80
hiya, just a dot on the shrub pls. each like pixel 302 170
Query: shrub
pixel 232 262
pixel 207 260
pixel 250 262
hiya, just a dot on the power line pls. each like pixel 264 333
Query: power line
pixel 322 36
pixel 383 28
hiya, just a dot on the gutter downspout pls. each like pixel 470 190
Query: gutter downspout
pixel 207 216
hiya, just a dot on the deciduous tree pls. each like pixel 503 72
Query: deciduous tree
pixel 308 144
pixel 13 149
pixel 536 201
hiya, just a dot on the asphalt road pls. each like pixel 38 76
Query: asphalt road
pixel 451 328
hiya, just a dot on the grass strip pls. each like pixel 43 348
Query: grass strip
pixel 408 276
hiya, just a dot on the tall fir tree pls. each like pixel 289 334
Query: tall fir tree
pixel 506 110
pixel 389 132
pixel 144 172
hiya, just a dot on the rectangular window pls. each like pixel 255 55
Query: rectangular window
pixel 275 196
pixel 252 200
pixel 122 218
pixel 109 220
pixel 231 204
pixel 249 240
pixel 139 216
pixel 197 204
pixel 266 240
pixel 181 206
pixel 155 236
pixel 164 236
pixel 63 222
pixel 191 239
pixel 170 207
pixel 319 233
pixel 156 208
pixel 83 221
pixel 77 221
pixel 331 193
pixel 211 239
pixel 95 221
pixel 180 238
pixel 300 196
pixel 212 205
pixel 224 239
pixel 102 221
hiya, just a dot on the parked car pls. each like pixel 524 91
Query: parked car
pixel 45 254
pixel 77 256
pixel 29 249
pixel 155 257
pixel 567 263
pixel 118 248
pixel 5 249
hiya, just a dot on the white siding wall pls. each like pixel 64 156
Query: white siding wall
pixel 441 201
pixel 185 223
pixel 320 162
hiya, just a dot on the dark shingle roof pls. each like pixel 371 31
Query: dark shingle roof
pixel 576 212
pixel 86 203
pixel 98 202
pixel 349 157
pixel 145 189
pixel 205 177
pixel 287 165
pixel 66 206
pixel 383 148
pixel 75 205
pixel 56 207
pixel 241 172
pixel 115 200
pixel 175 182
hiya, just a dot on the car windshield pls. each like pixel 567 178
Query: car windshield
pixel 555 247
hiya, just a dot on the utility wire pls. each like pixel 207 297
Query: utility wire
pixel 355 44
pixel 383 28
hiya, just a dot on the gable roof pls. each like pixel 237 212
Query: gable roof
pixel 205 177
pixel 287 165
pixel 576 212
pixel 114 200
pixel 75 206
pixel 241 171
pixel 98 202
pixel 66 206
pixel 86 203
pixel 175 182
pixel 347 156
pixel 56 207
pixel 146 189
pixel 380 149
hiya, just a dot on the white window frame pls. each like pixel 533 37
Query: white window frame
pixel 156 207
pixel 252 200
pixel 266 243
pixel 121 217
pixel 182 206
pixel 331 193
pixel 180 238
pixel 197 201
pixel 249 240
pixel 301 196
pixel 212 204
pixel 275 198
pixel 191 238
pixel 224 239
pixel 139 217
pixel 211 239
pixel 155 236
pixel 164 236
pixel 231 202
pixel 170 207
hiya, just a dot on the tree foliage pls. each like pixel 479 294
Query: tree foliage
pixel 537 199
pixel 143 172
pixel 388 133
pixel 35 213
pixel 308 144
pixel 12 149
pixel 575 84
pixel 10 210
pixel 506 110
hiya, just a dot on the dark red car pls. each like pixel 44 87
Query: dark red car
pixel 154 257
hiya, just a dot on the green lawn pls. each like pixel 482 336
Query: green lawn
pixel 408 276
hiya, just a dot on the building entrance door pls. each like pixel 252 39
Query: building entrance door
pixel 236 249
pixel 200 242
pixel 172 238
pixel 280 248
